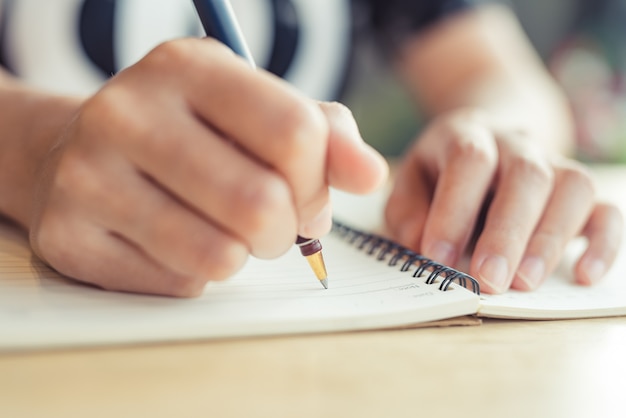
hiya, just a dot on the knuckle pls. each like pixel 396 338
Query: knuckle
pixel 102 106
pixel 578 176
pixel 339 108
pixel 184 56
pixel 107 118
pixel 611 212
pixel 110 121
pixel 475 148
pixel 76 177
pixel 216 47
pixel 176 52
pixel 221 262
pixel 473 114
pixel 532 170
pixel 302 126
pixel 468 139
pixel 548 243
pixel 212 263
pixel 49 240
pixel 261 201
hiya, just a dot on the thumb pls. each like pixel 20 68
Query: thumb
pixel 352 165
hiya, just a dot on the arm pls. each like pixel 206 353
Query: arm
pixel 494 152
pixel 30 123
pixel 481 58
pixel 165 179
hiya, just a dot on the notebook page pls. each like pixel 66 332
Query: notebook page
pixel 38 308
pixel 559 297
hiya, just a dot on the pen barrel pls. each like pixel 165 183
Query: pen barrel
pixel 219 22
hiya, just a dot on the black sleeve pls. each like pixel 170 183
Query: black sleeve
pixel 393 20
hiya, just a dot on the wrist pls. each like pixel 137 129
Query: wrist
pixel 31 123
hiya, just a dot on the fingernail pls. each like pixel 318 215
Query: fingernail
pixel 442 252
pixel 594 269
pixel 531 272
pixel 494 272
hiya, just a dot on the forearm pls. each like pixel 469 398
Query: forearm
pixel 490 185
pixel 30 123
pixel 482 59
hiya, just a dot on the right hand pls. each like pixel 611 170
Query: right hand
pixel 186 163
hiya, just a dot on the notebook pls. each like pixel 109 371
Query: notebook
pixel 373 284
pixel 39 308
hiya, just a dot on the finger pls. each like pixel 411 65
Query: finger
pixel 211 175
pixel 564 217
pixel 107 261
pixel 524 186
pixel 467 162
pixel 408 203
pixel 110 192
pixel 260 113
pixel 604 231
pixel 282 128
pixel 171 233
pixel 353 165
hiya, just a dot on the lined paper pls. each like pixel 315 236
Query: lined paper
pixel 39 308
pixel 560 297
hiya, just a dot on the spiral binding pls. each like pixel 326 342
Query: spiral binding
pixel 383 248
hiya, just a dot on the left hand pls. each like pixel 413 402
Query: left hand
pixel 462 172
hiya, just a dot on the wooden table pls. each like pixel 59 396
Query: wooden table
pixel 498 369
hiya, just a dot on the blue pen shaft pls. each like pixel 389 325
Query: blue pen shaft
pixel 219 21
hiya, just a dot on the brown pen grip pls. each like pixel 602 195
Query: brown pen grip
pixel 308 246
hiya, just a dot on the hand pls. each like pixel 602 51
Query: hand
pixel 186 163
pixel 464 178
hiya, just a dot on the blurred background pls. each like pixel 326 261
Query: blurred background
pixel 582 42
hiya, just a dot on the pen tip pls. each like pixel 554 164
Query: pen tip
pixel 324 283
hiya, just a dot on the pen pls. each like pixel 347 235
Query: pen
pixel 219 21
